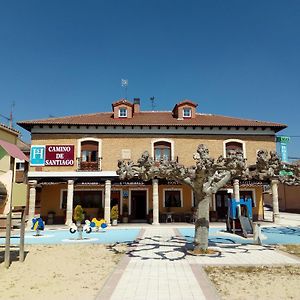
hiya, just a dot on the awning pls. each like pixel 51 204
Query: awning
pixel 13 150
pixel 3 192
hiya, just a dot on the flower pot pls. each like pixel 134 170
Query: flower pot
pixel 114 222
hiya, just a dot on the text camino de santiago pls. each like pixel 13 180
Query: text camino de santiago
pixel 60 156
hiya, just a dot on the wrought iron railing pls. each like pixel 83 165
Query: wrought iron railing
pixel 88 165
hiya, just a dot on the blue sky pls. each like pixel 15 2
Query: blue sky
pixel 238 58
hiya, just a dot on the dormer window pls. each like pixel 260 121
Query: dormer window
pixel 184 110
pixel 124 109
pixel 123 112
pixel 187 112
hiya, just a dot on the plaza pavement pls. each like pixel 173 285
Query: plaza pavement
pixel 157 265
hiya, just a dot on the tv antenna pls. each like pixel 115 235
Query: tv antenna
pixel 124 83
pixel 152 99
pixel 10 118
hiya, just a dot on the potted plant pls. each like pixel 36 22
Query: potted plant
pixel 114 214
pixel 125 213
pixel 79 217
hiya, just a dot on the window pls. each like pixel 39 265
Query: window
pixel 187 112
pixel 162 151
pixel 173 199
pixel 20 166
pixel 123 112
pixel 89 157
pixel 89 151
pixel 234 146
pixel 87 199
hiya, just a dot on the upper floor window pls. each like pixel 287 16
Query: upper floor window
pixel 187 112
pixel 162 151
pixel 89 158
pixel 123 112
pixel 236 146
pixel 20 166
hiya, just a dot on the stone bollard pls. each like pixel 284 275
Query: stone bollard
pixel 257 236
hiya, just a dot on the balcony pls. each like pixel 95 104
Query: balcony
pixel 88 165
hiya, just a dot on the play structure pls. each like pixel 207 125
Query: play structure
pixel 37 225
pixel 97 224
pixel 239 217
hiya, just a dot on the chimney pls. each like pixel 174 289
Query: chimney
pixel 136 105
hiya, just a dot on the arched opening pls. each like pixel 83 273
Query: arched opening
pixel 234 146
pixel 162 151
pixel 89 158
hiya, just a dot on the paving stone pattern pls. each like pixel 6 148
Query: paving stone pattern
pixel 158 267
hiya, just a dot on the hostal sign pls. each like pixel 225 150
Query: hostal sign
pixel 52 155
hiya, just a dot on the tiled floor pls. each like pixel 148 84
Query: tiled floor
pixel 158 267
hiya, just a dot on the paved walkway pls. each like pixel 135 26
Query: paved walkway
pixel 158 267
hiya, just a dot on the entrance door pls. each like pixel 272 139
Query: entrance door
pixel 222 204
pixel 138 206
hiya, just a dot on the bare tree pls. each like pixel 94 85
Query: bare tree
pixel 205 178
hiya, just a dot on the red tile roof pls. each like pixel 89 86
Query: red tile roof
pixel 152 118
pixel 186 101
pixel 122 101
pixel 9 129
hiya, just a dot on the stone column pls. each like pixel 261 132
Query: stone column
pixel 214 207
pixel 274 187
pixel 155 202
pixel 32 198
pixel 236 189
pixel 107 195
pixel 70 194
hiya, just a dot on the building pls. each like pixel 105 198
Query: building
pixel 10 155
pixel 74 160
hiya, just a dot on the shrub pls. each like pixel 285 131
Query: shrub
pixel 114 213
pixel 78 214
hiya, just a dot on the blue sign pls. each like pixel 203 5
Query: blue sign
pixel 37 155
pixel 283 152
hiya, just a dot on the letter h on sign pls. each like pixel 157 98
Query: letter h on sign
pixel 37 156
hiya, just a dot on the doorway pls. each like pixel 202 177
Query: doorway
pixel 138 206
pixel 222 204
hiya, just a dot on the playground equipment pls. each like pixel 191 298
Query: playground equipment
pixel 38 225
pixel 97 224
pixel 239 216
pixel 79 227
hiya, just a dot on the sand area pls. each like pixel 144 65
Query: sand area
pixel 75 271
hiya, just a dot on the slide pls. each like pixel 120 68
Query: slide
pixel 246 225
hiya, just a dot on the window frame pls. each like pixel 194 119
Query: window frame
pixel 164 146
pixel 62 191
pixel 123 109
pixel 189 109
pixel 171 142
pixel 173 190
pixel 225 142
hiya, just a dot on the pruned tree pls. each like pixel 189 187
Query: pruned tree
pixel 205 178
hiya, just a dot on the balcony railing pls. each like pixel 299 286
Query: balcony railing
pixel 88 165
pixel 158 160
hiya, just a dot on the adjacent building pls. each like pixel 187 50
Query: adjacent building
pixel 12 188
pixel 74 160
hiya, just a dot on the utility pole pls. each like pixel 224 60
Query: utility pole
pixel 10 118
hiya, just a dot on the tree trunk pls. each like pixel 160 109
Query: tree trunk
pixel 202 224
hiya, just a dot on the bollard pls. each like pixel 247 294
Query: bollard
pixel 257 238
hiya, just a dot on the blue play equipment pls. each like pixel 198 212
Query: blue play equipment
pixel 239 216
